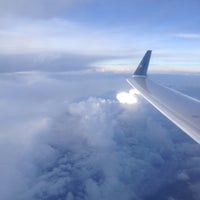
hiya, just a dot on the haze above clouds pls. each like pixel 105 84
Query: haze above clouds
pixel 105 30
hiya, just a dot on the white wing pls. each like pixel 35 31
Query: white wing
pixel 182 110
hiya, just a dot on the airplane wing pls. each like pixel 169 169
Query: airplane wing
pixel 182 110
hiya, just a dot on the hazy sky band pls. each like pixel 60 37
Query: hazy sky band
pixel 103 29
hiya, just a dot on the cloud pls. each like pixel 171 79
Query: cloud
pixel 187 35
pixel 46 62
pixel 79 28
pixel 61 35
pixel 44 8
pixel 59 44
pixel 69 140
pixel 56 45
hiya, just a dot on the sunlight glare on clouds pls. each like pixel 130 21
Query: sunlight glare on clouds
pixel 128 97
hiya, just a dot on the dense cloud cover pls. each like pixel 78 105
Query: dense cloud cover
pixel 61 139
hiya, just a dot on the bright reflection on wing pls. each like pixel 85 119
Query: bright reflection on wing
pixel 128 97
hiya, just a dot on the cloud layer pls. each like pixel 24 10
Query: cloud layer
pixel 47 62
pixel 68 144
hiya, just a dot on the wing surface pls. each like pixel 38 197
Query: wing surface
pixel 182 110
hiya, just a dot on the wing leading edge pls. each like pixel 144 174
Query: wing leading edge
pixel 182 110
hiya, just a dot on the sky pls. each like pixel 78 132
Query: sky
pixel 63 133
pixel 102 35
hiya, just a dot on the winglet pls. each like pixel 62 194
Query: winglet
pixel 143 66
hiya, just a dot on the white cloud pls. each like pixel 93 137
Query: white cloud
pixel 187 35
pixel 88 147
pixel 183 176
pixel 58 35
pixel 59 45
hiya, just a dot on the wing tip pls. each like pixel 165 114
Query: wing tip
pixel 143 66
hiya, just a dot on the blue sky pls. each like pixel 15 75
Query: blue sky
pixel 105 31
